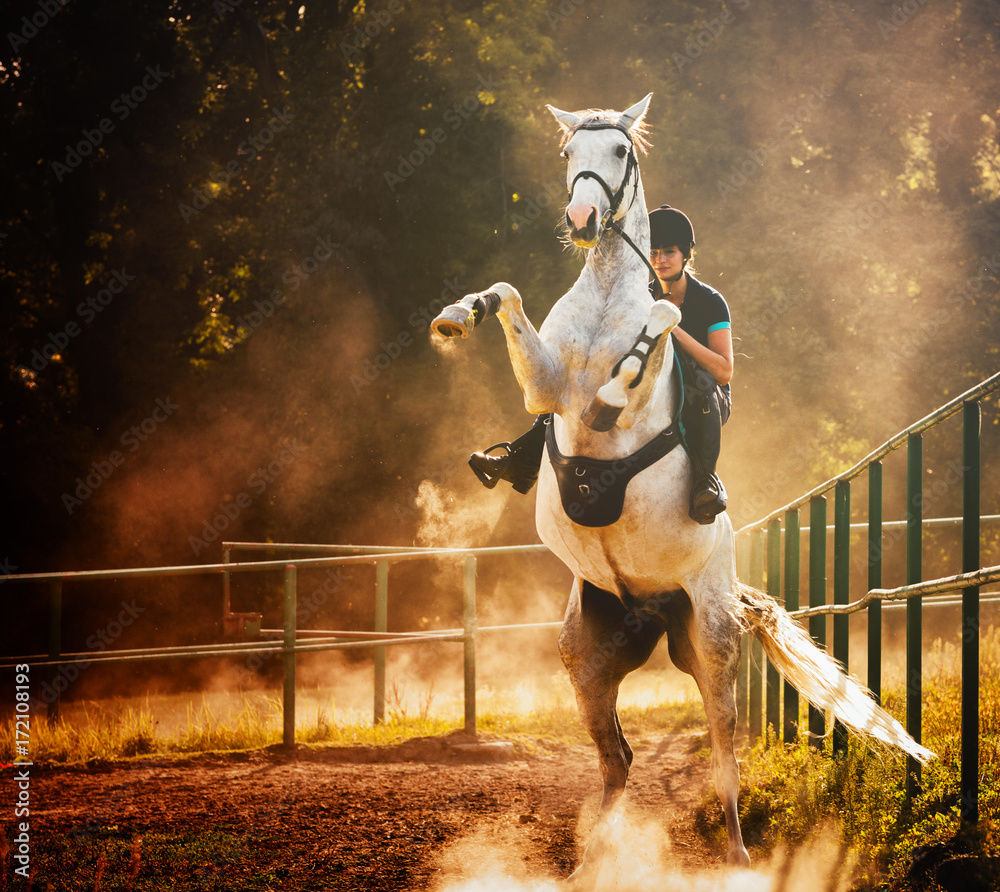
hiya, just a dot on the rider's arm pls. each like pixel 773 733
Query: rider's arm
pixel 716 358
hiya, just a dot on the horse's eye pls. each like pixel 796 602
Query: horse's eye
pixel 621 151
pixel 564 154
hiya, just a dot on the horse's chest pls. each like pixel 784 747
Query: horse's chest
pixel 651 547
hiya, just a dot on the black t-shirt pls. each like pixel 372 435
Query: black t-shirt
pixel 703 311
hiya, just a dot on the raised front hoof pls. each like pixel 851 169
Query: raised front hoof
pixel 599 416
pixel 454 321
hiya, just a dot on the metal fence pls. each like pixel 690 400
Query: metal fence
pixel 769 553
pixel 290 641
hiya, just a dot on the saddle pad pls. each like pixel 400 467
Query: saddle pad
pixel 592 489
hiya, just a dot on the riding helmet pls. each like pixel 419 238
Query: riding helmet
pixel 669 226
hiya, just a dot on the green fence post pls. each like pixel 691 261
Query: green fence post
pixel 773 688
pixel 791 728
pixel 875 578
pixel 55 643
pixel 288 691
pixel 381 625
pixel 470 627
pixel 817 598
pixel 914 626
pixel 841 590
pixel 971 463
pixel 754 712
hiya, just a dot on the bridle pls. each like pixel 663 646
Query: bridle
pixel 610 218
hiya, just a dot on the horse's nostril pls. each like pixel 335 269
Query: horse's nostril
pixel 569 222
pixel 592 219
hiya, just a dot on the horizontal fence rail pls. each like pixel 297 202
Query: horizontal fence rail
pixel 288 641
pixel 946 411
pixel 905 592
pixel 779 532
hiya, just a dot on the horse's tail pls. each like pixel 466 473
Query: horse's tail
pixel 817 676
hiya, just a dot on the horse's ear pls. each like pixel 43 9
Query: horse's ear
pixel 632 116
pixel 567 120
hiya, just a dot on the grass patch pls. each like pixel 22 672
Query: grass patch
pixel 115 730
pixel 109 859
pixel 788 791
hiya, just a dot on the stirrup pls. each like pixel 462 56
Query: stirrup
pixel 491 468
pixel 708 499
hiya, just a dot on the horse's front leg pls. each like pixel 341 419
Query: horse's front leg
pixel 536 364
pixel 639 366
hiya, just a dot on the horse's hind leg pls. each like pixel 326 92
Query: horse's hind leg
pixel 600 643
pixel 708 648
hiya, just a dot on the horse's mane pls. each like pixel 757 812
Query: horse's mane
pixel 609 116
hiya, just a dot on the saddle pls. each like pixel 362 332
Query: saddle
pixel 592 489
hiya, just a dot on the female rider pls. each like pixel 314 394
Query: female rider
pixel 704 346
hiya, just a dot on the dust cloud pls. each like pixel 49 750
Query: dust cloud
pixel 452 522
pixel 639 858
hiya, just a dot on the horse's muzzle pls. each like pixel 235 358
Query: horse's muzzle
pixel 586 237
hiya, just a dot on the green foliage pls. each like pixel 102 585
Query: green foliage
pixel 109 859
pixel 789 791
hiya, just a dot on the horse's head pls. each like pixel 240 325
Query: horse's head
pixel 602 171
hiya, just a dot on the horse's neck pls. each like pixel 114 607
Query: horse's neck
pixel 616 278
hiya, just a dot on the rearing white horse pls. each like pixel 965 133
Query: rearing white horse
pixel 612 500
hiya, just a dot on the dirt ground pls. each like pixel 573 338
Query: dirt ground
pixel 380 819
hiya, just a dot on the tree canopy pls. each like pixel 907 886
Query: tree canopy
pixel 225 227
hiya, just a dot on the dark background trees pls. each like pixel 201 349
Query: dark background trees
pixel 283 195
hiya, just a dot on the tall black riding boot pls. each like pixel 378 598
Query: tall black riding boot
pixel 702 417
pixel 520 463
